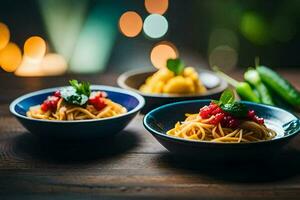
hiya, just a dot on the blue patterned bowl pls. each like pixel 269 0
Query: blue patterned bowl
pixel 79 129
pixel 163 118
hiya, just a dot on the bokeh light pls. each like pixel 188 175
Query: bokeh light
pixel 223 37
pixel 29 67
pixel 155 26
pixel 10 57
pixel 223 56
pixel 4 35
pixel 254 28
pixel 96 40
pixel 130 24
pixel 35 47
pixel 161 52
pixel 63 21
pixel 53 64
pixel 156 6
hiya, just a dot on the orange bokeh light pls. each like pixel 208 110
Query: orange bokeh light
pixel 29 67
pixel 156 6
pixel 4 35
pixel 35 47
pixel 53 64
pixel 130 24
pixel 161 52
pixel 10 57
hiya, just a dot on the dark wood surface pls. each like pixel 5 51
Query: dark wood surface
pixel 131 166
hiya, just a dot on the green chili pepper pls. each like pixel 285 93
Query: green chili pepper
pixel 281 86
pixel 254 79
pixel 243 89
pixel 279 101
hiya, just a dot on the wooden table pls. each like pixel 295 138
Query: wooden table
pixel 131 166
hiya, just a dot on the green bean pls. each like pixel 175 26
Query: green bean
pixel 280 85
pixel 254 79
pixel 279 101
pixel 243 89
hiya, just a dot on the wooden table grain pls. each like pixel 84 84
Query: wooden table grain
pixel 133 165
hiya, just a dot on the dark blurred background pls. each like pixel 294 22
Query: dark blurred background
pixel 229 33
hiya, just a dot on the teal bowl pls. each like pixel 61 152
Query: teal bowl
pixel 163 118
pixel 79 129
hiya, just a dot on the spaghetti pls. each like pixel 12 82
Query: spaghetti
pixel 73 105
pixel 196 128
pixel 225 120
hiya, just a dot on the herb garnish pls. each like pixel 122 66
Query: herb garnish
pixel 175 65
pixel 81 88
pixel 77 94
pixel 227 97
pixel 228 104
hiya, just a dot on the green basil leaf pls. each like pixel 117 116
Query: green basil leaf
pixel 227 97
pixel 81 88
pixel 236 109
pixel 175 65
pixel 74 83
pixel 85 88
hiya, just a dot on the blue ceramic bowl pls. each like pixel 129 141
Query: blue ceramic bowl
pixel 161 119
pixel 79 129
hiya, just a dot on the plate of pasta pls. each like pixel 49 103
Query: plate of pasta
pixel 77 111
pixel 222 130
pixel 175 82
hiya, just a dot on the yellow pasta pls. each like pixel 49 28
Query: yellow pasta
pixel 165 81
pixel 196 128
pixel 65 111
pixel 76 102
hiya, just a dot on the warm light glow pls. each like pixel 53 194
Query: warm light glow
pixel 161 53
pixel 35 47
pixel 155 26
pixel 33 62
pixel 29 67
pixel 156 6
pixel 130 24
pixel 4 35
pixel 223 56
pixel 53 64
pixel 10 57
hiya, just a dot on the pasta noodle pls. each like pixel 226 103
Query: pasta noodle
pixel 66 111
pixel 76 102
pixel 196 128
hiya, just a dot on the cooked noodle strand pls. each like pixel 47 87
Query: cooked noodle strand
pixel 66 111
pixel 195 128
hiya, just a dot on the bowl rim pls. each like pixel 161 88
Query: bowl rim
pixel 124 76
pixel 141 103
pixel 182 140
